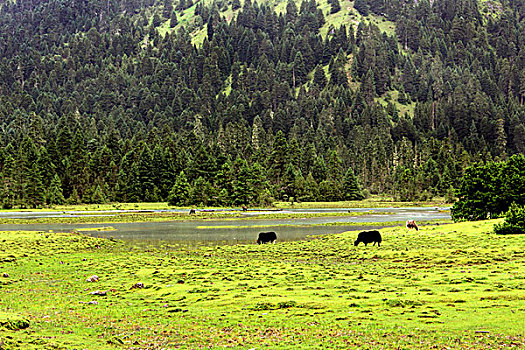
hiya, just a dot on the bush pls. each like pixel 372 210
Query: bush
pixel 514 221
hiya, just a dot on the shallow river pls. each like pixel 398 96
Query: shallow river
pixel 232 231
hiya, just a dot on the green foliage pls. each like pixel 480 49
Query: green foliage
pixel 362 7
pixel 127 95
pixel 54 194
pixel 514 221
pixel 98 196
pixel 73 198
pixel 236 4
pixel 180 192
pixel 489 189
pixel 34 188
pixel 335 6
pixel 351 188
pixel 13 322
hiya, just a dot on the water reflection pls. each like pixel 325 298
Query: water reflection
pixel 237 231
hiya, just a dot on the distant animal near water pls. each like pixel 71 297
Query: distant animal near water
pixel 369 237
pixel 267 237
pixel 192 211
pixel 412 224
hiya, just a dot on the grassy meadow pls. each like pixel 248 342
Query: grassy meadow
pixel 446 286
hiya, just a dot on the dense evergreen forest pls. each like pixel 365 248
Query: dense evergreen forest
pixel 99 102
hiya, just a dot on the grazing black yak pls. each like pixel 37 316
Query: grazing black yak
pixel 369 237
pixel 412 224
pixel 266 237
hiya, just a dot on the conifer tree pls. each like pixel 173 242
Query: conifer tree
pixel 34 189
pixel 335 6
pixel 362 7
pixel 279 156
pixel 311 190
pixel 7 179
pixel 167 10
pixel 351 188
pixel 97 197
pixel 242 187
pixel 180 192
pixel 320 77
pixel 173 19
pixel 54 193
pixel 74 197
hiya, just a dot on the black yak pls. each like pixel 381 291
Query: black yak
pixel 369 237
pixel 266 237
pixel 412 224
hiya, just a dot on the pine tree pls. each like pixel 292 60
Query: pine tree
pixel 362 7
pixel 34 189
pixel 279 156
pixel 242 193
pixel 299 70
pixel 291 11
pixel 133 186
pixel 73 198
pixel 311 190
pixel 319 169
pixel 320 77
pixel 97 197
pixel 197 194
pixel 335 6
pixel 288 181
pixel 334 166
pixel 54 192
pixel 146 174
pixel 180 192
pixel 351 188
pixel 7 179
pixel 173 20
pixel 167 10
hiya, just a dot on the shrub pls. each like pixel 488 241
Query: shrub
pixel 514 221
pixel 263 306
pixel 286 304
pixel 487 190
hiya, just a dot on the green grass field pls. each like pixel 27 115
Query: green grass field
pixel 447 286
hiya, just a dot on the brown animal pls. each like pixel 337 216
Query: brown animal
pixel 192 211
pixel 244 208
pixel 412 224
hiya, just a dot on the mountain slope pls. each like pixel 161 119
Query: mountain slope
pixel 100 101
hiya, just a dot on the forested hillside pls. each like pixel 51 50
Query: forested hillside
pixel 229 103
